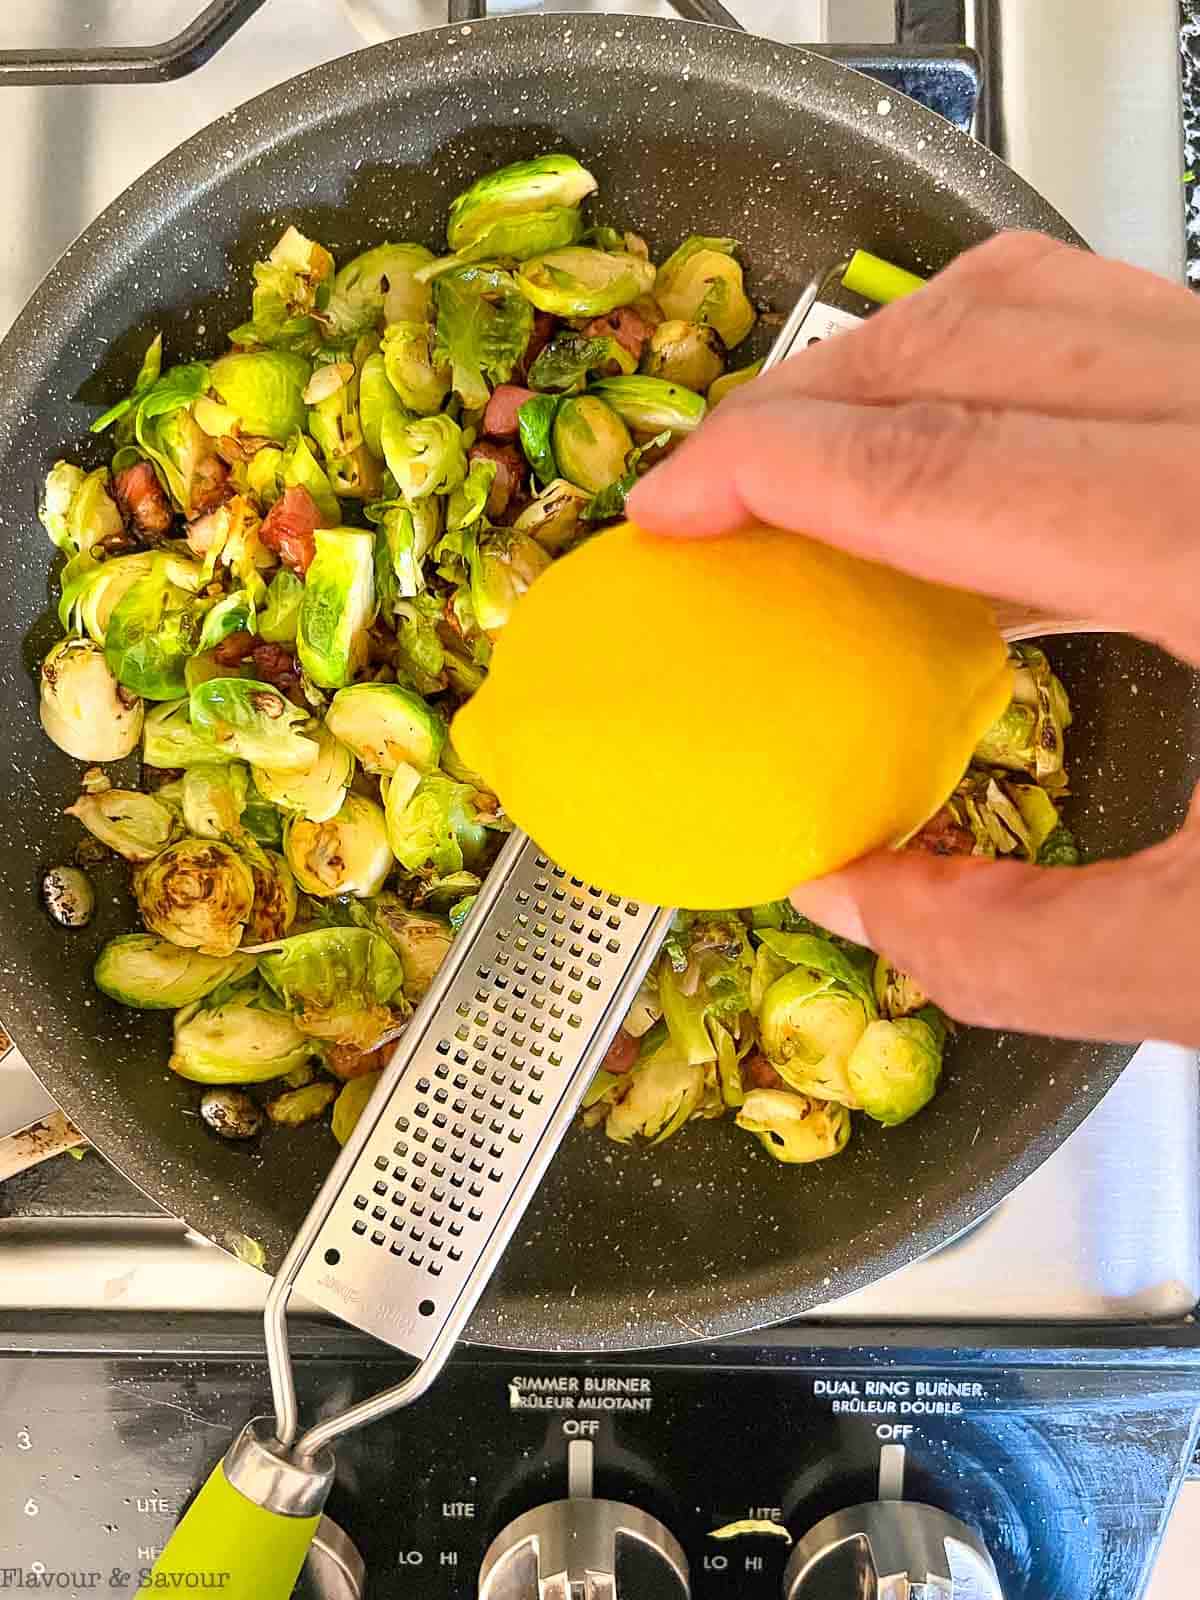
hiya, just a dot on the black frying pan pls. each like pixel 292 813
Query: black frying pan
pixel 689 129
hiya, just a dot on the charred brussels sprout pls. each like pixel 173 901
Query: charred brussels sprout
pixel 275 898
pixel 590 442
pixel 253 721
pixel 702 282
pixel 214 797
pixel 503 563
pixel 351 1103
pixel 379 286
pixel 553 518
pixel 316 793
pixel 580 282
pixel 347 854
pixel 135 825
pixel 691 354
pixel 264 389
pixel 652 405
pixel 198 893
pixel 241 1041
pixel 385 725
pixel 340 984
pixel 420 938
pixel 408 366
pixel 521 209
pixel 153 974
pixel 1029 736
pixel 83 708
pixel 338 605
pixel 663 1092
pixel 794 1128
pixel 895 1066
pixel 483 328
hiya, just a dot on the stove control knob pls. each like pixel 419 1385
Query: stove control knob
pixel 584 1549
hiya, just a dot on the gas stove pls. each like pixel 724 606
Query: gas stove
pixel 1037 1381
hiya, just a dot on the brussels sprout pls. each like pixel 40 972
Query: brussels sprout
pixel 663 1093
pixel 432 822
pixel 339 603
pixel 92 600
pixel 347 854
pixel 242 1041
pixel 408 363
pixel 535 419
pixel 578 282
pixel 197 893
pixel 141 970
pixel 289 286
pixel 148 375
pixel 1059 849
pixel 135 825
pixel 379 286
pixel 691 354
pixel 262 475
pixel 214 797
pixel 894 1068
pixel 425 455
pixel 403 538
pixel 702 282
pixel 1029 736
pixel 351 1103
pixel 318 792
pixel 732 380
pixel 294 1107
pixel 468 503
pixel 83 708
pixel 376 399
pixel 341 984
pixel 420 938
pixel 503 563
pixel 279 619
pixel 808 1026
pixel 503 212
pixel 767 967
pixel 300 469
pixel 846 964
pixel 152 631
pixel 186 458
pixel 265 389
pixel 251 720
pixel 230 1113
pixel 261 820
pixel 590 442
pixel 649 405
pixel 68 896
pixel 229 537
pixel 553 518
pixel 570 356
pixel 793 1128
pixel 334 422
pixel 386 725
pixel 275 898
pixel 483 327
pixel 1004 818
pixel 77 510
pixel 1012 741
pixel 169 739
pixel 704 974
pixel 896 994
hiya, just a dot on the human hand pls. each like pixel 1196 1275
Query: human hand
pixel 1028 426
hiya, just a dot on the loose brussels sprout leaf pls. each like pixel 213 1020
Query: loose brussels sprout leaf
pixel 340 984
pixel 93 592
pixel 732 380
pixel 1011 742
pixel 262 474
pixel 265 388
pixel 702 282
pixel 339 603
pixel 379 286
pixel 169 739
pixel 135 825
pixel 896 994
pixel 420 938
pixel 483 328
pixel 469 501
pixel 405 534
pixel 793 1128
pixel 150 635
pixel 148 375
pixel 690 354
pixel 300 469
pixel 241 1041
pixel 590 442
pixel 704 978
pixel 809 1026
pixel 425 455
pixel 553 518
pixel 351 1103
pixel 684 1015
pixel 198 893
pixel 652 405
pixel 1038 813
pixel 434 824
pixel 767 967
pixel 376 399
pixel 570 356
pixel 663 1093
pixel 77 510
pixel 289 286
pixel 275 897
pixel 894 1069
pixel 385 726
pixel 252 721
pixel 1004 818
pixel 261 820
pixel 578 282
pixel 413 378
pixel 346 854
pixel 729 1070
pixel 141 970
pixel 847 964
pixel 336 426
pixel 294 1107
pixel 213 799
pixel 279 619
pixel 317 793
pixel 233 614
pixel 535 419
pixel 519 190
pixel 83 708
pixel 503 563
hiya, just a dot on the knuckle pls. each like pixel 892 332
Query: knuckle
pixel 907 454
pixel 908 341
pixel 1005 259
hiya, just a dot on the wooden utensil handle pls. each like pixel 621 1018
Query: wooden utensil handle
pixel 37 1143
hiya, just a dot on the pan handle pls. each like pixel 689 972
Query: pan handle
pixel 711 11
pixel 154 63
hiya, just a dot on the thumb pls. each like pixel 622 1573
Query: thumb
pixel 1097 952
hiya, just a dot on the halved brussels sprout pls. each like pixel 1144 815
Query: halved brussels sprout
pixel 691 354
pixel 732 380
pixel 233 614
pixel 242 717
pixel 503 563
pixel 151 633
pixel 420 938
pixel 347 854
pixel 535 419
pixel 294 1107
pixel 300 469
pixel 351 1103
pixel 275 897
pixel 184 455
pixel 896 994
pixel 339 603
pixel 379 286
pixel 340 984
pixel 386 725
pixel 242 1041
pixel 376 399
pixel 652 405
pixel 895 1066
pixel 264 389
pixel 489 219
pixel 83 708
pixel 432 822
pixel 1029 736
pixel 590 442
pixel 77 510
pixel 553 518
pixel 702 282
pixel 570 356
pixel 663 1093
pixel 279 619
pixel 197 893
pixel 289 286
pixel 425 455
pixel 142 970
pixel 334 423
pixel 407 361
pixel 579 282
pixel 318 792
pixel 214 797
pixel 793 1128
pixel 809 1026
pixel 170 740
pixel 483 328
pixel 135 825
pixel 404 536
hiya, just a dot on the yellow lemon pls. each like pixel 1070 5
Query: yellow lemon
pixel 707 723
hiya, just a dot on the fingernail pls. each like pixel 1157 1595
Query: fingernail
pixel 831 903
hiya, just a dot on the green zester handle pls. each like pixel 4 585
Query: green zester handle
pixel 239 1550
pixel 878 280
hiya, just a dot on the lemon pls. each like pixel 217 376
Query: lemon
pixel 708 723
